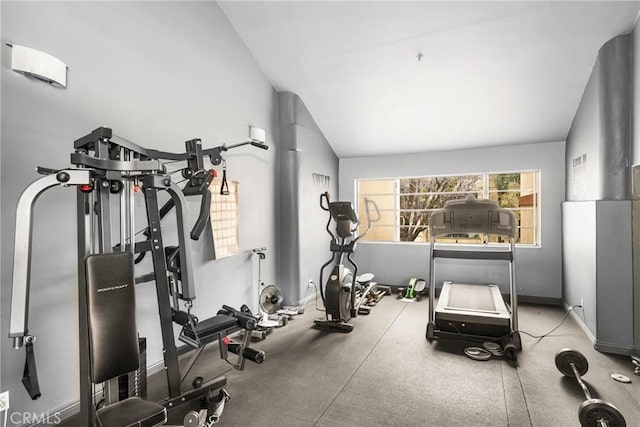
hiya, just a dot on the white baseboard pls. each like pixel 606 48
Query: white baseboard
pixel 580 321
pixel 601 346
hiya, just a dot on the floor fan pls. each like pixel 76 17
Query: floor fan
pixel 270 298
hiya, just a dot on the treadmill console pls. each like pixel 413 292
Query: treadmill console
pixel 472 216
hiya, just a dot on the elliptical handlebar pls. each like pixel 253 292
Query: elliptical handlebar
pixel 324 197
pixel 343 214
pixel 367 203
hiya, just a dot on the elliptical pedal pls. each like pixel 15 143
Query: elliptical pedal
pixel 333 326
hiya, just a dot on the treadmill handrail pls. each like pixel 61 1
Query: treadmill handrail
pixel 484 255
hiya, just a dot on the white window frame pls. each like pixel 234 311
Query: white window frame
pixel 536 188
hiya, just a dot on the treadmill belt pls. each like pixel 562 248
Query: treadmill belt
pixel 471 297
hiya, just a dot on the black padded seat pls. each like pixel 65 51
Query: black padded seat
pixel 132 412
pixel 113 337
pixel 209 329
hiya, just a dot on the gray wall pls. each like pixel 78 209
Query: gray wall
pixel 614 276
pixel 598 269
pixel 578 219
pixel 602 128
pixel 303 240
pixel 600 192
pixel 539 270
pixel 158 73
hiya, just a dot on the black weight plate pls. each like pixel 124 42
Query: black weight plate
pixel 593 412
pixel 566 356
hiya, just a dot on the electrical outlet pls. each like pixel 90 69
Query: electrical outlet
pixel 4 401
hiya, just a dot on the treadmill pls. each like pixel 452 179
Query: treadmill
pixel 475 312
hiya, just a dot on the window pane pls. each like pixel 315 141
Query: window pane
pixel 382 192
pixel 504 181
pixel 413 223
pixel 406 204
pixel 419 196
pixel 506 199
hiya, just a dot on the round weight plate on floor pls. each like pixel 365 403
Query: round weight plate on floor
pixel 597 412
pixel 621 378
pixel 566 356
pixel 267 323
pixel 477 353
pixel 494 348
pixel 491 346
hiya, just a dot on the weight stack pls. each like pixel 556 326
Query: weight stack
pixel 135 383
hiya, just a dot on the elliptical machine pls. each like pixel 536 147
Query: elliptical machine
pixel 339 293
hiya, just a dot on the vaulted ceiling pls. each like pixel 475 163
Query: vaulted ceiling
pixel 383 77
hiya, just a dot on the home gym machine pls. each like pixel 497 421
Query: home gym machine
pixel 474 311
pixel 592 412
pixel 343 295
pixel 109 171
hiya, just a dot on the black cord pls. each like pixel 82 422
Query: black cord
pixel 540 337
pixel 316 299
pixel 475 339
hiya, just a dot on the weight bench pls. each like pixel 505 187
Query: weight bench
pixel 198 334
pixel 113 338
pixel 202 333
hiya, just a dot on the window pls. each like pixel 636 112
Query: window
pixel 406 203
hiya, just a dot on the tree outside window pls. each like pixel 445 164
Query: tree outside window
pixel 407 203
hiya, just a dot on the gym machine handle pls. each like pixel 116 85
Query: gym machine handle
pixel 22 250
pixel 254 143
pixel 259 145
pixel 183 318
pixel 18 327
pixel 249 353
pixel 203 214
pixel 151 158
pixel 245 321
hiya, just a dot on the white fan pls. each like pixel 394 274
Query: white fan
pixel 271 299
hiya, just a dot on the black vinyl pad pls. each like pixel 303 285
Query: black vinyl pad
pixel 208 329
pixel 111 305
pixel 131 412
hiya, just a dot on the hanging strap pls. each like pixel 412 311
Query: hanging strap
pixel 30 374
pixel 224 187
